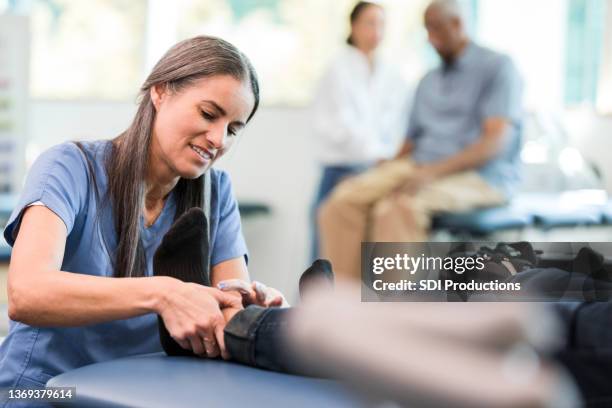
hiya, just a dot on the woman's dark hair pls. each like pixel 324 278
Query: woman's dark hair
pixel 355 13
pixel 126 166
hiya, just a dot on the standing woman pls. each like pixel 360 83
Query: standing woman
pixel 91 216
pixel 359 108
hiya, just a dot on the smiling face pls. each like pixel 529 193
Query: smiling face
pixel 194 126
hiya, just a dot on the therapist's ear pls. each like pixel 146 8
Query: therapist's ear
pixel 158 93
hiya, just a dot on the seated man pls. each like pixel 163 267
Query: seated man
pixel 461 152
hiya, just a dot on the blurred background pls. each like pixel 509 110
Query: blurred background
pixel 71 70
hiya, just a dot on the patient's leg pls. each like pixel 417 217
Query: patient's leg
pixel 257 336
pixel 416 354
pixel 588 355
pixel 254 336
pixel 467 355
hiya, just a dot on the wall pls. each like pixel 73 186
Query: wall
pixel 509 26
pixel 592 135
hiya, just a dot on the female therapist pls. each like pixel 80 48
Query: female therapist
pixel 92 214
pixel 360 107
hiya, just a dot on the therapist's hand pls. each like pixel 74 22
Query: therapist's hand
pixel 192 314
pixel 255 293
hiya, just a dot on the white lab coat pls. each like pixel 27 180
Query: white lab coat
pixel 359 114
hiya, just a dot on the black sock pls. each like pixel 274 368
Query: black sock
pixel 591 263
pixel 320 272
pixel 183 254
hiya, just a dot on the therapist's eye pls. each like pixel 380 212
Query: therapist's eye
pixel 212 117
pixel 208 116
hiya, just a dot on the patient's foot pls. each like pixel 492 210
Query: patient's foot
pixel 591 263
pixel 183 254
pixel 319 276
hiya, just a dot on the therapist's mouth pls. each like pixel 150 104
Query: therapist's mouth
pixel 203 152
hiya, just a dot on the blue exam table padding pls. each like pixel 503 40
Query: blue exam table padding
pixel 156 380
pixel 483 221
pixel 607 213
pixel 561 210
pixel 542 210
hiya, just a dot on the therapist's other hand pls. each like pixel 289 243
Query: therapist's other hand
pixel 255 293
pixel 192 314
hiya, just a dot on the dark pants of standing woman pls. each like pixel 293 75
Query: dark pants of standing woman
pixel 330 178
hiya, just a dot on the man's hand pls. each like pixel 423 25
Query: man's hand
pixel 422 175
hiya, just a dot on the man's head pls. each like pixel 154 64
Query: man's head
pixel 445 28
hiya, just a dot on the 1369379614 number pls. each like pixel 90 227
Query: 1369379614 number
pixel 41 394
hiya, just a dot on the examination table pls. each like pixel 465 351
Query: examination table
pixel 156 380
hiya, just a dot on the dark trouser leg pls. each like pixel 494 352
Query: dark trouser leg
pixel 332 175
pixel 256 336
pixel 588 355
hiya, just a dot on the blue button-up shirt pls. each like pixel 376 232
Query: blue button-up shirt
pixel 451 104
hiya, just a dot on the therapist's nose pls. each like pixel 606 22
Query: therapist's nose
pixel 217 136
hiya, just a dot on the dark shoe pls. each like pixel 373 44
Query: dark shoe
pixel 319 274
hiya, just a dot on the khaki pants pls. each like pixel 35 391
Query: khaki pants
pixel 368 200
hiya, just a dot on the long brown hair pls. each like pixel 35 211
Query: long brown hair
pixel 126 165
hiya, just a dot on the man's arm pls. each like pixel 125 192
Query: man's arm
pixel 500 103
pixel 414 129
pixel 405 150
pixel 489 144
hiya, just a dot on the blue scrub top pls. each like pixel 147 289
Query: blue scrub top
pixel 59 179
